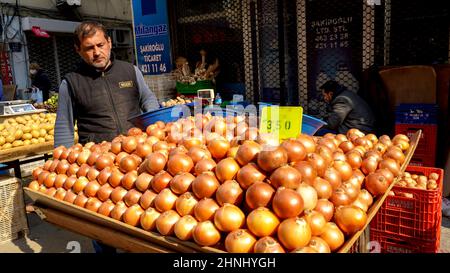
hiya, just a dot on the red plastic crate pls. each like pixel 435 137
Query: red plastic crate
pixel 423 160
pixel 399 244
pixel 428 140
pixel 418 217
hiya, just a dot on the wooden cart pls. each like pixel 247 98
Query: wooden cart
pixel 122 236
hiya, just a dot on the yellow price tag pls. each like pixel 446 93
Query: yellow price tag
pixel 284 121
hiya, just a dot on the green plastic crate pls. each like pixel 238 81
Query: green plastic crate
pixel 185 88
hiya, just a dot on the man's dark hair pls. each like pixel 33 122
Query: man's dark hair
pixel 330 86
pixel 87 29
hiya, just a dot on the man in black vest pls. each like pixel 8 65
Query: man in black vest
pixel 101 94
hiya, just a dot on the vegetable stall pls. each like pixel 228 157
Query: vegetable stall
pixel 226 189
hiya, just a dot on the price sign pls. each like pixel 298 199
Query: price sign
pixel 284 121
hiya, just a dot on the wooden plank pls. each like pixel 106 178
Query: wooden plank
pixel 103 234
pixel 25 151
pixel 153 237
pixel 379 202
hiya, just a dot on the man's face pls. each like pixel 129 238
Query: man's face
pixel 95 50
pixel 327 97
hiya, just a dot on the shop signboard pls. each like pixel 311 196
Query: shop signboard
pixel 282 121
pixel 151 32
pixel 334 41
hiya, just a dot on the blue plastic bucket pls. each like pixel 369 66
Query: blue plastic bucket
pixel 311 125
pixel 166 114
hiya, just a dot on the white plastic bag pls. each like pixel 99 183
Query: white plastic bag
pixel 36 95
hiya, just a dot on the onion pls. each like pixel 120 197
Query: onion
pixel 316 222
pixel 391 165
pixel 229 218
pixel 185 204
pixel 205 185
pixel 262 222
pixel 269 160
pixel 70 181
pixel 106 208
pixel 160 181
pixel 229 192
pixel 184 228
pixel 376 184
pixel 305 249
pixel 143 149
pixel 73 156
pixel 119 157
pixel 58 151
pixel 247 152
pixel 132 197
pixel 147 199
pixel 325 207
pixel 294 233
pixel 268 244
pixel 129 179
pixel 307 171
pixel 259 194
pixel 369 165
pixel 104 175
pixel 240 241
pixel 80 200
pixel 148 219
pixel 387 174
pixel 155 163
pixel 115 178
pixel 350 219
pixel 344 168
pixel 60 194
pixel 309 196
pixel 166 222
pixel 117 194
pixel 91 188
pixel 218 148
pixel 333 236
pixel 59 180
pixel 104 192
pixel 323 188
pixel 165 200
pixel 197 153
pixel 80 184
pixel 319 245
pixel 128 164
pixel 286 176
pixel 394 153
pixel 179 163
pixel 103 161
pixel 206 234
pixel 92 173
pixel 205 209
pixel 307 142
pixel 295 150
pixel 118 211
pixel 129 144
pixel 181 183
pixel 226 169
pixel 248 175
pixel 34 185
pixel 143 181
pixel 287 203
pixel 93 204
pixel 62 166
pixel 204 165
pixel 340 197
pixel 132 215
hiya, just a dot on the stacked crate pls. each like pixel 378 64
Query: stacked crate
pixel 410 224
pixel 410 118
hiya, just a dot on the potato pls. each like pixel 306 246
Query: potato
pixel 422 179
pixel 17 143
pixel 41 140
pixel 27 136
pixel 48 137
pixel 10 138
pixel 414 176
pixel 26 129
pixel 42 132
pixel 18 134
pixel 2 140
pixel 34 141
pixel 433 176
pixel 26 142
pixel 7 146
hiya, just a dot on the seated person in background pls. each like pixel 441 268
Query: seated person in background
pixel 346 110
